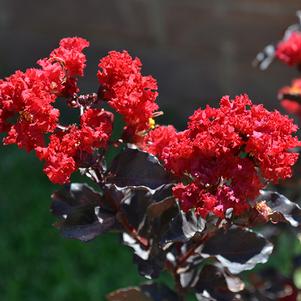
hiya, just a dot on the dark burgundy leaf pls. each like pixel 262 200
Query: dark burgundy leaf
pixel 128 294
pixel 133 167
pixel 158 218
pixel 159 292
pixel 145 292
pixel 285 209
pixel 74 194
pixel 114 196
pixel 87 232
pixel 275 286
pixel 151 217
pixel 148 212
pixel 212 286
pixel 270 285
pixel 86 223
pixel 144 208
pixel 150 261
pixel 237 249
pixel 80 211
pixel 155 210
pixel 137 202
pixel 183 227
pixel 135 206
pixel 290 96
pixel 153 266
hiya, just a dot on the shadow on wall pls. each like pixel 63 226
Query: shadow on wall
pixel 198 50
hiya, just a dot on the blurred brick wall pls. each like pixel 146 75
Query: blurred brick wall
pixel 198 50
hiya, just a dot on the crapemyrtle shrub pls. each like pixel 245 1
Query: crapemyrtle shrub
pixel 195 203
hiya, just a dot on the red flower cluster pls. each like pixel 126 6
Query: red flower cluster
pixel 129 92
pixel 159 138
pixel 62 153
pixel 290 97
pixel 69 62
pixel 289 50
pixel 29 97
pixel 220 154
